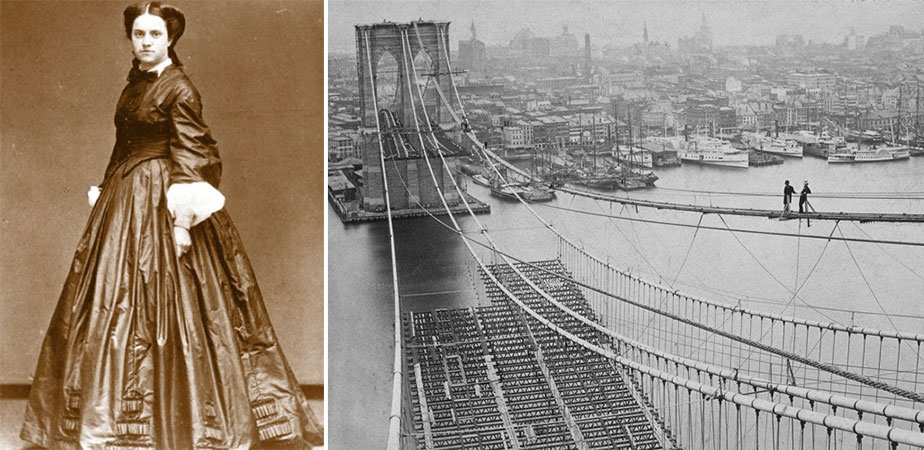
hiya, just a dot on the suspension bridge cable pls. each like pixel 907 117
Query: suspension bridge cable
pixel 460 233
pixel 831 422
pixel 738 230
pixel 487 236
pixel 490 157
pixel 496 282
pixel 769 349
pixel 727 228
pixel 822 366
pixel 828 240
pixel 770 301
pixel 394 420
pixel 834 326
pixel 809 394
pixel 909 195
pixel 768 213
pixel 508 424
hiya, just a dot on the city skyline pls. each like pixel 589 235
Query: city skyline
pixel 731 22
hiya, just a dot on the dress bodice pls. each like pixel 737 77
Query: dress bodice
pixel 161 117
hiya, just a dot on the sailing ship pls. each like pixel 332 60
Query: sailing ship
pixel 633 156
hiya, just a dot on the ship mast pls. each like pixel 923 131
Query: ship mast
pixel 625 166
pixel 593 136
pixel 900 86
pixel 629 118
pixel 616 125
pixel 917 111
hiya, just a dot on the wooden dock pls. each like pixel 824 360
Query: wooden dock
pixel 757 159
pixel 349 215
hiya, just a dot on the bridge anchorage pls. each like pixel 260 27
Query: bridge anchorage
pixel 573 353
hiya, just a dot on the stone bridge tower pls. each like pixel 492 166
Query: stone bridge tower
pixel 409 180
pixel 400 40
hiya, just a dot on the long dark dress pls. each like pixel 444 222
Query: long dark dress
pixel 148 350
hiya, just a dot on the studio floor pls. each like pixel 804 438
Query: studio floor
pixel 11 411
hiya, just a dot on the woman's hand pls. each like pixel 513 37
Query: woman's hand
pixel 182 240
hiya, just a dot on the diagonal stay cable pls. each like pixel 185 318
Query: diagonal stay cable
pixel 689 248
pixel 796 293
pixel 905 413
pixel 792 356
pixel 873 293
pixel 777 280
pixel 632 244
pixel 766 348
pixel 890 255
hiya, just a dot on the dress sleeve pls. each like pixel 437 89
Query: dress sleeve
pixel 193 195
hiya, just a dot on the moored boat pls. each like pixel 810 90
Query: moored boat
pixel 778 146
pixel 872 154
pixel 481 180
pixel 529 193
pixel 715 152
pixel 507 191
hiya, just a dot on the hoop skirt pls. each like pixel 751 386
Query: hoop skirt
pixel 147 349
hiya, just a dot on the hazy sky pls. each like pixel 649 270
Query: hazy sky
pixel 621 21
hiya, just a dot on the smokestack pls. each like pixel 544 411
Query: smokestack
pixel 587 56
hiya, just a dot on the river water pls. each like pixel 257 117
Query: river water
pixel 761 271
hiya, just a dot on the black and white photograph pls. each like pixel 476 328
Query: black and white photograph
pixel 625 224
pixel 157 160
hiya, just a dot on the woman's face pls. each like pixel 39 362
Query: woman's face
pixel 149 40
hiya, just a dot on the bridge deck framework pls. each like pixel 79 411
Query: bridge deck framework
pixel 479 376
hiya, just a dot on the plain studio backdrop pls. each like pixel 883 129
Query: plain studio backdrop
pixel 259 69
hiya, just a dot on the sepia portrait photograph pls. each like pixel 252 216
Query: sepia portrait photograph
pixel 625 224
pixel 162 235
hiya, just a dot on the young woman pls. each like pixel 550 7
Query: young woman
pixel 160 338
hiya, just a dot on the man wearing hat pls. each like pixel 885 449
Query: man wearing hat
pixel 803 197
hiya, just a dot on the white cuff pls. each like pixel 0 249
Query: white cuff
pixel 93 195
pixel 191 203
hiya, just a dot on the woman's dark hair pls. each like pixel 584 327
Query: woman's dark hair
pixel 173 18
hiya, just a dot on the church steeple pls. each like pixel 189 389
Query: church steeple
pixel 474 34
pixel 645 32
pixel 705 34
